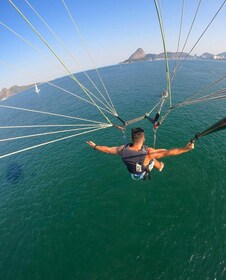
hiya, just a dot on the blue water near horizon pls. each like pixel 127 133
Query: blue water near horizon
pixel 69 212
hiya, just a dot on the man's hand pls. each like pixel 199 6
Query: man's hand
pixel 190 146
pixel 92 144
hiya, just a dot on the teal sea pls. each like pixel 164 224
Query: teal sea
pixel 69 212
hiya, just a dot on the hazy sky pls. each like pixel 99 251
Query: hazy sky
pixel 111 30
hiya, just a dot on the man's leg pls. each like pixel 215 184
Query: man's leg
pixel 158 164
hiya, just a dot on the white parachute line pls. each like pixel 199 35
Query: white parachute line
pixel 165 115
pixel 161 26
pixel 205 88
pixel 160 104
pixel 47 113
pixel 31 45
pixel 47 143
pixel 49 125
pixel 154 107
pixel 192 99
pixel 200 100
pixel 58 87
pixel 160 13
pixel 215 15
pixel 53 61
pixel 186 40
pixel 90 57
pixel 58 58
pixel 180 31
pixel 212 96
pixel 181 24
pixel 44 134
pixel 108 110
pixel 94 103
pixel 71 55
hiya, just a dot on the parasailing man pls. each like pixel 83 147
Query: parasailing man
pixel 138 158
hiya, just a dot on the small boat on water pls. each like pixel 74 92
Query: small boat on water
pixel 37 90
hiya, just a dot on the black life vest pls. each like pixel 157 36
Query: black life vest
pixel 134 160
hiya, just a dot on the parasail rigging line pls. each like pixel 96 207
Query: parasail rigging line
pixel 48 126
pixel 45 133
pixel 209 86
pixel 186 40
pixel 53 114
pixel 58 58
pixel 48 143
pixel 129 122
pixel 70 54
pixel 212 94
pixel 204 89
pixel 180 61
pixel 108 110
pixel 30 44
pixel 198 100
pixel 89 55
pixel 161 102
pixel 165 94
pixel 111 111
pixel 158 103
pixel 207 27
pixel 53 61
pixel 180 31
pixel 165 51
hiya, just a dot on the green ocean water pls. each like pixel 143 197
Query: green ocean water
pixel 69 212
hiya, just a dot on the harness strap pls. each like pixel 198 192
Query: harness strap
pixel 147 175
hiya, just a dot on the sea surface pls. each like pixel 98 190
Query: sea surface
pixel 70 212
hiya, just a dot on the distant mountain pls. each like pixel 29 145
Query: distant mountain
pixel 223 54
pixel 5 93
pixel 151 56
pixel 220 56
pixel 139 55
pixel 207 55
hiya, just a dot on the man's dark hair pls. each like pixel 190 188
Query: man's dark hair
pixel 137 134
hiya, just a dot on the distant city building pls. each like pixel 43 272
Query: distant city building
pixel 218 57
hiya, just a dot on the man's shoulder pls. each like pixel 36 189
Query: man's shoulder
pixel 121 147
pixel 149 149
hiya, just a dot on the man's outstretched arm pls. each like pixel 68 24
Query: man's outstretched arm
pixel 105 149
pixel 171 152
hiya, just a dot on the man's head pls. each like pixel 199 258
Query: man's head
pixel 137 135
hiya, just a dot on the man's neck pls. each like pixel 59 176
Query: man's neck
pixel 137 146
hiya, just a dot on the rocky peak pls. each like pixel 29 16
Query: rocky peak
pixel 5 93
pixel 138 54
